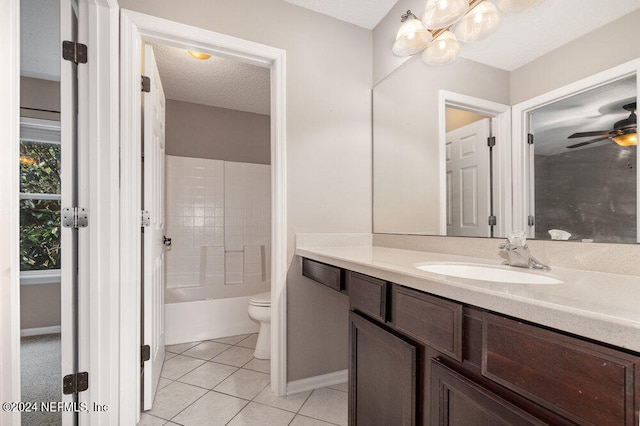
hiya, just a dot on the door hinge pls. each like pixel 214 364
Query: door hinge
pixel 493 221
pixel 531 221
pixel 146 84
pixel 491 141
pixel 145 218
pixel 75 383
pixel 75 217
pixel 74 52
pixel 145 353
pixel 530 138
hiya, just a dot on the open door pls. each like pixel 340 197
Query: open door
pixel 468 180
pixel 71 227
pixel 154 227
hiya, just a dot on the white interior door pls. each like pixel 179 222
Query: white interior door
pixel 69 198
pixel 153 203
pixel 467 180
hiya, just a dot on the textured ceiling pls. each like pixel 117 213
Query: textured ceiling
pixel 525 36
pixel 216 81
pixel 594 110
pixel 363 13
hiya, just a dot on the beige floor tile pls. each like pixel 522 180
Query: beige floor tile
pixel 168 355
pixel 244 384
pixel 178 366
pixel 174 398
pixel 206 350
pixel 308 421
pixel 164 382
pixel 256 414
pixel 261 365
pixel 235 356
pixel 178 349
pixel 212 409
pixel 326 404
pixel 249 342
pixel 208 375
pixel 289 403
pixel 149 420
pixel 231 340
pixel 344 387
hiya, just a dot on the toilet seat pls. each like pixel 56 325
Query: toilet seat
pixel 261 299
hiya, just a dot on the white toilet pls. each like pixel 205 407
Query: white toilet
pixel 260 310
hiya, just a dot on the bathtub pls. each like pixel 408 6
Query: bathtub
pixel 191 316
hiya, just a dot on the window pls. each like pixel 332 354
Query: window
pixel 39 195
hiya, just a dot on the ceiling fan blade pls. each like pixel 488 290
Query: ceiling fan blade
pixel 587 134
pixel 588 142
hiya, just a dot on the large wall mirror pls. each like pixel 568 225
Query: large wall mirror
pixel 430 130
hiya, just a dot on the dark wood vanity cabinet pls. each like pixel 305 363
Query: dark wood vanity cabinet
pixel 416 358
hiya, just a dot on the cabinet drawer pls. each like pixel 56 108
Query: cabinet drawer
pixel 328 275
pixel 431 320
pixel 582 381
pixel 368 295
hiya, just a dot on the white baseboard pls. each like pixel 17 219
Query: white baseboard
pixel 40 331
pixel 316 382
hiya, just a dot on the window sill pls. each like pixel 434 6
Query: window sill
pixel 40 277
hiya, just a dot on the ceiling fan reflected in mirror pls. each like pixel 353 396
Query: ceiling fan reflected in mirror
pixel 624 133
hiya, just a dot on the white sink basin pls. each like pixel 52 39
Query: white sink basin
pixel 476 271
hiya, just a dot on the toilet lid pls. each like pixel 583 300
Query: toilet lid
pixel 262 299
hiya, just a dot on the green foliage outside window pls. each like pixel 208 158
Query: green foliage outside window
pixel 39 219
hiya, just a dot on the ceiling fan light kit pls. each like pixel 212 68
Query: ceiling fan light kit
pixel 476 20
pixel 624 133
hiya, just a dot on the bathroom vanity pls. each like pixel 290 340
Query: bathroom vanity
pixel 428 348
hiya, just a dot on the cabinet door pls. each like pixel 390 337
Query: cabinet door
pixel 456 400
pixel 382 376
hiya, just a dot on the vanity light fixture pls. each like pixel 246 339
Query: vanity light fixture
pixel 478 19
pixel 412 36
pixel 199 55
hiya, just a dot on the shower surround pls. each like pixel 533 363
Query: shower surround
pixel 219 220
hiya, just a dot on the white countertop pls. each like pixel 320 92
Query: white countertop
pixel 600 306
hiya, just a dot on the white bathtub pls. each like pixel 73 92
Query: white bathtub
pixel 190 316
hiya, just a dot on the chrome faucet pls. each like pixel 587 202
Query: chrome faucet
pixel 518 254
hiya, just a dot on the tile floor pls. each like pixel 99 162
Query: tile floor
pixel 219 382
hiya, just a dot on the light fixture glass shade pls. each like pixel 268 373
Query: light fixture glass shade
pixel 481 22
pixel 442 13
pixel 515 6
pixel 412 38
pixel 629 139
pixel 442 50
pixel 199 55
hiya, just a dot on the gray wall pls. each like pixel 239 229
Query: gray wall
pixel 603 48
pixel 203 131
pixel 328 133
pixel 590 193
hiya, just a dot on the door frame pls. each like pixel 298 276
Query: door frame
pixel 136 27
pixel 500 128
pixel 9 178
pixel 522 161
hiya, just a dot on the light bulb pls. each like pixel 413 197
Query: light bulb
pixel 480 23
pixel 443 50
pixel 442 13
pixel 412 36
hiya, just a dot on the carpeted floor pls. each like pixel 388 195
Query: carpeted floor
pixel 41 377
